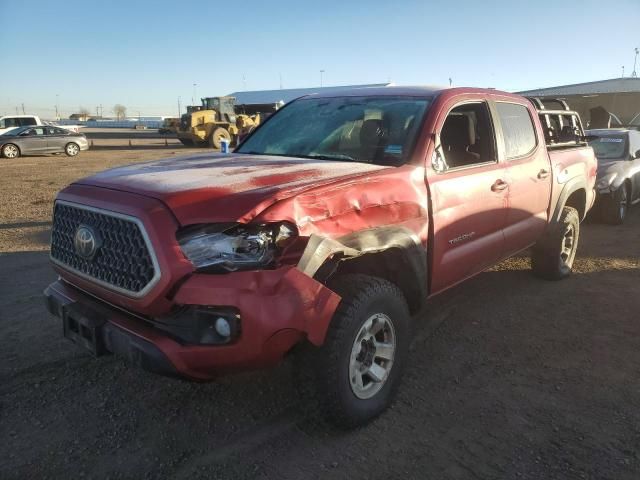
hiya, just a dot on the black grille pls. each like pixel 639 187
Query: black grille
pixel 122 260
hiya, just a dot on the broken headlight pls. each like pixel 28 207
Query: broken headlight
pixel 229 247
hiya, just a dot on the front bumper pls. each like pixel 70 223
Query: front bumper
pixel 277 309
pixel 102 331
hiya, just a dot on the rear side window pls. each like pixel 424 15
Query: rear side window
pixel 26 121
pixel 517 129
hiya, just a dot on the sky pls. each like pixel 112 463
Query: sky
pixel 147 54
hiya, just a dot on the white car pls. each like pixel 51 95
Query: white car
pixel 14 121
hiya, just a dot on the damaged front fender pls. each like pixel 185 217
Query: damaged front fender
pixel 394 253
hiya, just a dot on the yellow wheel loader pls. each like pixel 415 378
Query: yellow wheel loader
pixel 216 120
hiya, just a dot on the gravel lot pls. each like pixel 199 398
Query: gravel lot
pixel 509 377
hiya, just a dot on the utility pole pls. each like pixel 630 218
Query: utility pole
pixel 57 114
pixel 321 74
pixel 23 109
pixel 97 111
pixel 179 109
pixel 17 110
pixel 635 61
pixel 101 111
pixel 622 71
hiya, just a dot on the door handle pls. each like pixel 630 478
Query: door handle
pixel 499 185
pixel 543 174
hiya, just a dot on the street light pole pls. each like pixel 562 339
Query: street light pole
pixel 635 61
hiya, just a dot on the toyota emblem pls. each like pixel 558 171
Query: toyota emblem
pixel 86 242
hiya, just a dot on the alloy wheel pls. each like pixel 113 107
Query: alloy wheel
pixel 10 151
pixel 72 149
pixel 372 356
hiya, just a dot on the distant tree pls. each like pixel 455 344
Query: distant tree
pixel 84 111
pixel 120 111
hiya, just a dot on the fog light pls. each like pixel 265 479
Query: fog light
pixel 222 327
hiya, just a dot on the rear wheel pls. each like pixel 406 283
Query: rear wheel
pixel 354 375
pixel 10 151
pixel 217 136
pixel 72 149
pixel 552 256
pixel 615 206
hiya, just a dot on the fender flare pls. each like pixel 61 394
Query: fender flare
pixel 569 188
pixel 323 256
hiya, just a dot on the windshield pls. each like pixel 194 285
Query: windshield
pixel 380 130
pixel 14 131
pixel 609 147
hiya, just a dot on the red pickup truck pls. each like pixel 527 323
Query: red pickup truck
pixel 322 235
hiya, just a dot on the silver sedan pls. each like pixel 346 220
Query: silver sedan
pixel 40 140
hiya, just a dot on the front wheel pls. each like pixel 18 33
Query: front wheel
pixel 217 136
pixel 72 149
pixel 353 377
pixel 10 151
pixel 615 206
pixel 553 255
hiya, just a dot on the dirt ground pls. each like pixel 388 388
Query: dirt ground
pixel 510 377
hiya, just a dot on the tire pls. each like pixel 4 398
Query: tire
pixel 219 134
pixel 552 257
pixel 71 149
pixel 10 151
pixel 346 379
pixel 615 206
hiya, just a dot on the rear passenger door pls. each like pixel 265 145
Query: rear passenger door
pixel 528 173
pixel 468 193
pixel 56 139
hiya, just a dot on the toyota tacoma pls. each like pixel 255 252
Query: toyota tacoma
pixel 323 235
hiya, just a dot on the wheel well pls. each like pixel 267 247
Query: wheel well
pixel 578 200
pixel 393 265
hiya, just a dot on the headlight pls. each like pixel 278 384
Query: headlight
pixel 230 247
pixel 606 181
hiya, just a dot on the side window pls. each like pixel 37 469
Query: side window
pixel 10 122
pixel 517 129
pixel 37 131
pixel 26 121
pixel 467 136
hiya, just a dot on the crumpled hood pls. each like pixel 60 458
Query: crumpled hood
pixel 224 187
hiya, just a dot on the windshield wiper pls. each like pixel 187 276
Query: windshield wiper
pixel 331 156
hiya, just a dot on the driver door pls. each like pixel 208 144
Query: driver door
pixel 468 193
pixel 33 140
